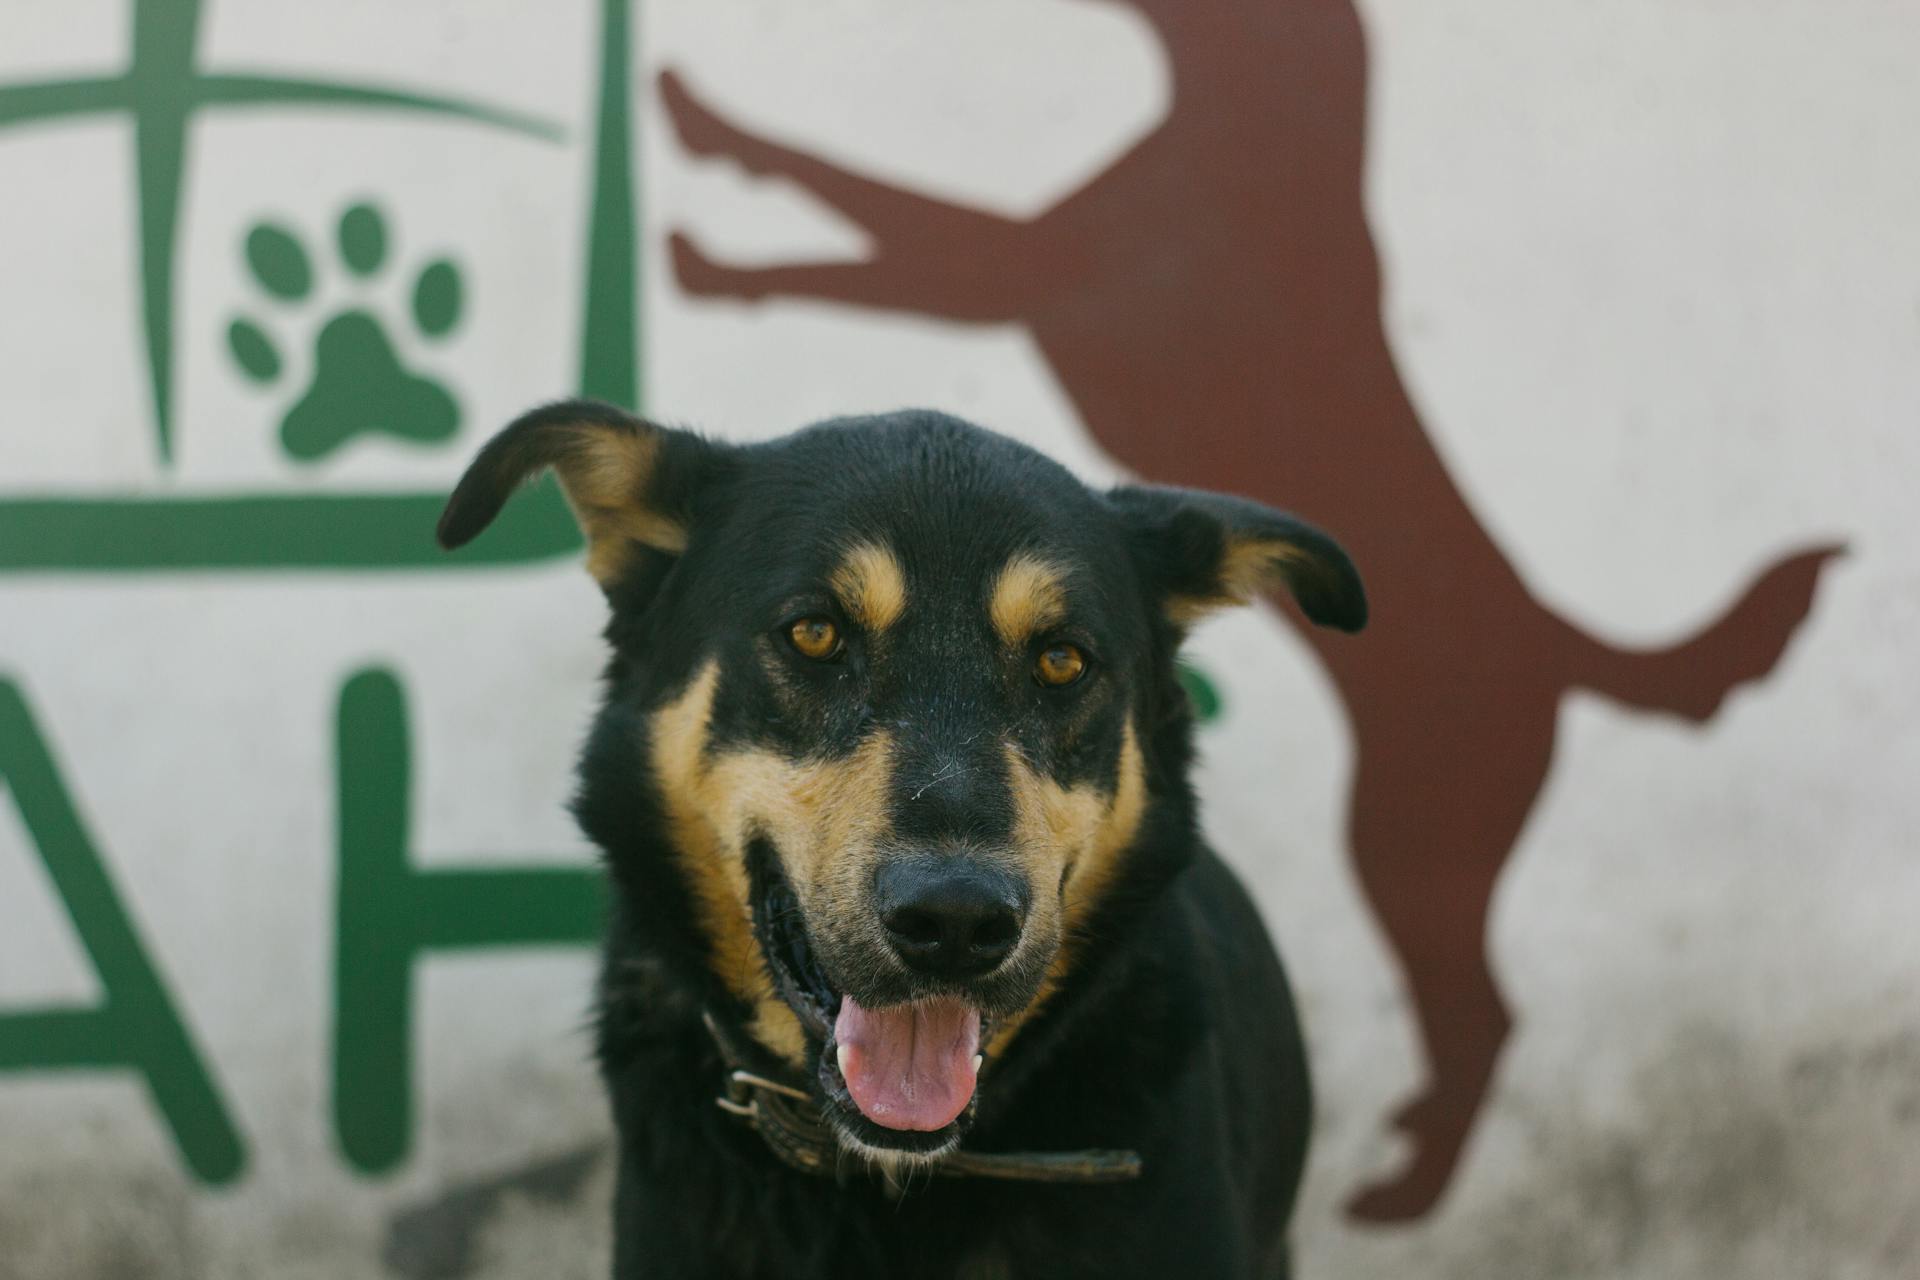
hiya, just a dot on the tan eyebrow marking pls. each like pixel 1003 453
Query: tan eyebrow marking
pixel 1028 595
pixel 871 586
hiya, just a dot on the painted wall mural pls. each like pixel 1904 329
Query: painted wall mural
pixel 1211 303
pixel 388 912
pixel 295 940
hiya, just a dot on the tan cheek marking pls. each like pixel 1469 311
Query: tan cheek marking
pixel 1248 567
pixel 714 865
pixel 1028 595
pixel 826 819
pixel 820 814
pixel 1083 831
pixel 871 586
pixel 604 475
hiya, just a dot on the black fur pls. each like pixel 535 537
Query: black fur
pixel 1173 1033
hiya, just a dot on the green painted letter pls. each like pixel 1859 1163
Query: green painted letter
pixel 135 1024
pixel 389 914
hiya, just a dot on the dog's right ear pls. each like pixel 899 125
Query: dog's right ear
pixel 631 484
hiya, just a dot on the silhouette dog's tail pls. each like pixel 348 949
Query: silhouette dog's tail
pixel 1694 677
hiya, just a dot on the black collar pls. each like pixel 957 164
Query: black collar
pixel 788 1120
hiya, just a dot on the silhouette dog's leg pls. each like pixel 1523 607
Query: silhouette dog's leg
pixel 882 209
pixel 885 282
pixel 932 256
pixel 1438 802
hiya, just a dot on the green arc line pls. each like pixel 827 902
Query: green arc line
pixel 234 89
pixel 38 101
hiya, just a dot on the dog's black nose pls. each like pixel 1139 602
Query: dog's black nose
pixel 950 917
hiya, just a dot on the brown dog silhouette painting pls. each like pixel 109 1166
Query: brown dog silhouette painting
pixel 1211 303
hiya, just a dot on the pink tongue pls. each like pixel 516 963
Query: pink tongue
pixel 911 1066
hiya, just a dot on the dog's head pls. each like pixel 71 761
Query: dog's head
pixel 898 693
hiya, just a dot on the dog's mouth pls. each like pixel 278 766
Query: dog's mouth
pixel 895 1079
pixel 912 1067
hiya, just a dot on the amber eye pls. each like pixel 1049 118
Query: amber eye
pixel 1059 665
pixel 815 638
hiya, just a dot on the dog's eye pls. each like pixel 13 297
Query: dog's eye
pixel 815 638
pixel 1059 665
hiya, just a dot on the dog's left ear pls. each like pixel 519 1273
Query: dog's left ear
pixel 1203 551
pixel 631 484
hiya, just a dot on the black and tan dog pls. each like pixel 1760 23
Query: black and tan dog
pixel 918 964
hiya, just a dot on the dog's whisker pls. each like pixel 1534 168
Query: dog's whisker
pixel 949 771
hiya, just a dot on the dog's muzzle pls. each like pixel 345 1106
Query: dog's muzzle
pixel 950 917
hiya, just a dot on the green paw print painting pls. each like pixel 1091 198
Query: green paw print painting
pixel 360 385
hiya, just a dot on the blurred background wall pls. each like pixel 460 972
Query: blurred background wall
pixel 1591 328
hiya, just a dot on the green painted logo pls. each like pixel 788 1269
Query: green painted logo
pixel 360 387
pixel 363 380
pixel 161 91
